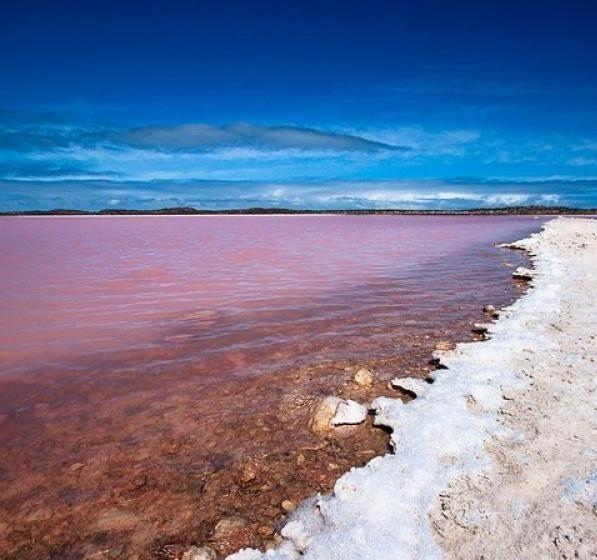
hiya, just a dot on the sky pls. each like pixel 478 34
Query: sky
pixel 310 104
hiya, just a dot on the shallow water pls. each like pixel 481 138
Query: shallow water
pixel 141 355
pixel 74 287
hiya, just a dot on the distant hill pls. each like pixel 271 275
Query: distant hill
pixel 187 210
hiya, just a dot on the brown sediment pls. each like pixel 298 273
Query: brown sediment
pixel 106 476
pixel 108 461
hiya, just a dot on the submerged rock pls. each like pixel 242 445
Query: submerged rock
pixel 364 377
pixel 444 345
pixel 228 525
pixel 199 553
pixel 249 471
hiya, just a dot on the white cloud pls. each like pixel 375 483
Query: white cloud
pixel 582 161
pixel 406 194
pixel 422 142
pixel 506 199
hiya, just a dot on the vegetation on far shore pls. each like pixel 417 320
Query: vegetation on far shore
pixel 188 210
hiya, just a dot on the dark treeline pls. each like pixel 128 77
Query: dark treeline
pixel 187 210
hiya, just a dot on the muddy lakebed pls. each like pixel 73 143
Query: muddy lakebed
pixel 158 374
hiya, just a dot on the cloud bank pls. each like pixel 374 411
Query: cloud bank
pixel 407 194
pixel 55 160
pixel 193 137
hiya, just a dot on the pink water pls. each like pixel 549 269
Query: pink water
pixel 145 360
pixel 75 287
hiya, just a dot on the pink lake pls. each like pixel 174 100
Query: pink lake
pixel 145 360
pixel 75 287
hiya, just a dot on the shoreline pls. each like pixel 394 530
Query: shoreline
pixel 409 504
pixel 175 481
pixel 274 215
pixel 259 211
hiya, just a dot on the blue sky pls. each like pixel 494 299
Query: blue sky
pixel 316 104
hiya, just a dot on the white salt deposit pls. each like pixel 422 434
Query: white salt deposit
pixel 410 384
pixel 349 412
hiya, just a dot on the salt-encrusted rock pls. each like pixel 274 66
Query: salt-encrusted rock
pixel 410 384
pixel 324 411
pixel 363 377
pixel 199 553
pixel 516 245
pixel 228 525
pixel 444 345
pixel 523 273
pixel 479 328
pixel 349 412
pixel 334 411
pixel 387 411
pixel 489 309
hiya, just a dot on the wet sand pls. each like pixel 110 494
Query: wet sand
pixel 138 452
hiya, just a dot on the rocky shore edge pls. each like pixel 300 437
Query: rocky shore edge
pixel 400 505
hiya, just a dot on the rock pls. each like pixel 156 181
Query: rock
pixel 274 543
pixel 410 385
pixel 489 309
pixel 479 328
pixel 76 467
pixel 288 505
pixel 249 471
pixel 522 273
pixel 323 413
pixel 363 377
pixel 444 345
pixel 114 519
pixel 138 482
pixel 517 246
pixel 199 553
pixel 334 411
pixel 349 412
pixel 265 531
pixel 228 525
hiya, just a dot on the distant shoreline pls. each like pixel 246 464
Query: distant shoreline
pixel 189 211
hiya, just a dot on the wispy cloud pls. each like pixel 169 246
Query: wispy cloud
pixel 38 132
pixel 422 142
pixel 583 161
pixel 406 194
pixel 205 136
